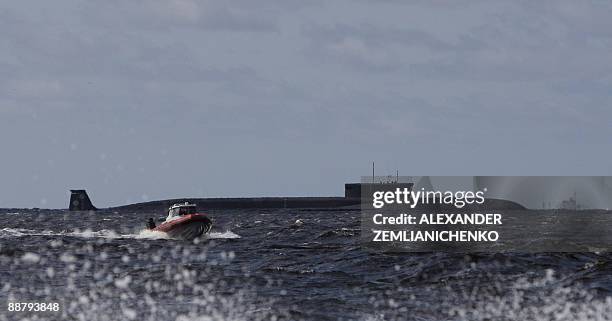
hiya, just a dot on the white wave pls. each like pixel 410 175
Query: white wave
pixel 8 232
pixel 30 257
pixel 87 233
pixel 148 234
pixel 223 235
pixel 106 234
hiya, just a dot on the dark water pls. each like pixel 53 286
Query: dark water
pixel 277 264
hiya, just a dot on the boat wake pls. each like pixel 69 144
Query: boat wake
pixel 106 234
pixel 87 233
pixel 149 234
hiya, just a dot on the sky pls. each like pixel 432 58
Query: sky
pixel 151 99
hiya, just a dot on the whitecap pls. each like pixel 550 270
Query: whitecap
pixel 223 235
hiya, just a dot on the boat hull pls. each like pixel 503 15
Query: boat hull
pixel 187 227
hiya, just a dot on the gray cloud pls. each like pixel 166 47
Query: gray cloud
pixel 163 15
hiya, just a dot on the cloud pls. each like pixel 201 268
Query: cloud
pixel 372 48
pixel 499 42
pixel 162 15
pixel 263 87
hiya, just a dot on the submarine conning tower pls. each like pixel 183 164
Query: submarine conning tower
pixel 79 201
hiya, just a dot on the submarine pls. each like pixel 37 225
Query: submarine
pixel 80 201
pixel 351 201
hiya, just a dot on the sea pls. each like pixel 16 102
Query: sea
pixel 277 264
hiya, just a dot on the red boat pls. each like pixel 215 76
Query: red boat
pixel 183 222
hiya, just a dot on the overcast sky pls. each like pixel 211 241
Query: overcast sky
pixel 145 100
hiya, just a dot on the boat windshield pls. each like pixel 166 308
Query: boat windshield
pixel 187 210
pixel 183 209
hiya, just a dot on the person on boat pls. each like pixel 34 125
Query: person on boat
pixel 151 223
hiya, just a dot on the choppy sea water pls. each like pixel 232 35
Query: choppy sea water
pixel 276 265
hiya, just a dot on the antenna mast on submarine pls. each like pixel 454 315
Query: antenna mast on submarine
pixel 372 172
